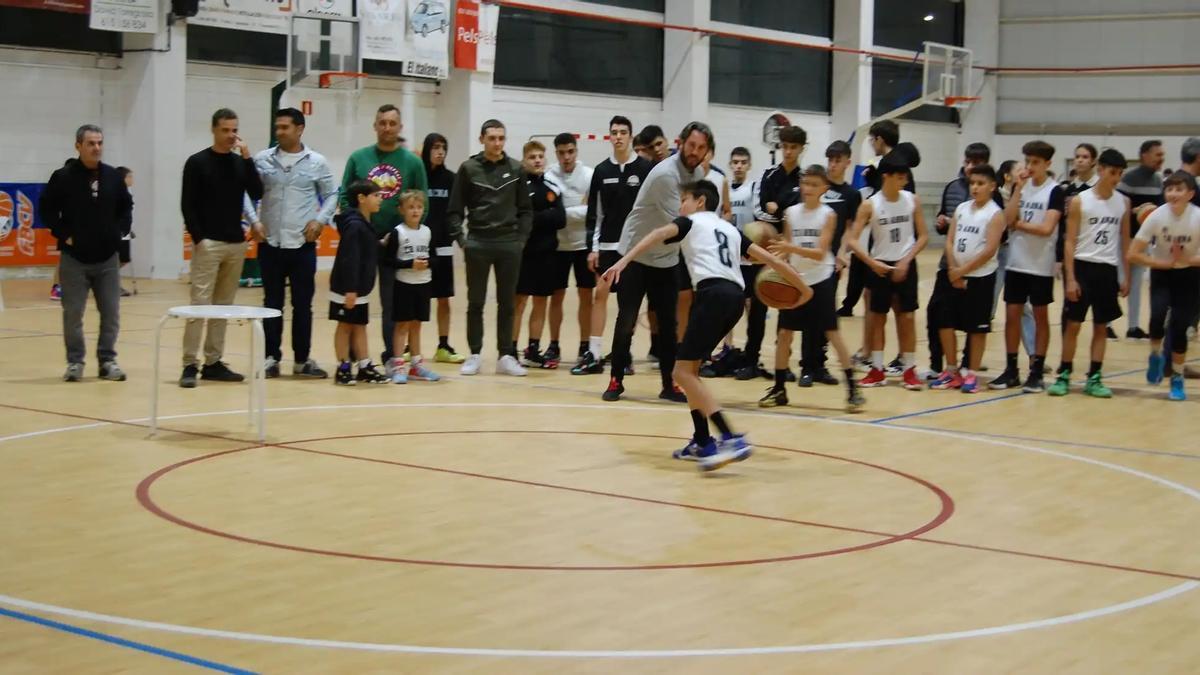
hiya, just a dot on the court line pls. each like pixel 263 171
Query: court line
pixel 1035 439
pixel 122 642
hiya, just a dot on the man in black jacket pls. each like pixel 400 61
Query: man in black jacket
pixel 88 209
pixel 216 181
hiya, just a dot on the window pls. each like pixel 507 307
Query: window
pixel 894 83
pixel 903 25
pixel 648 5
pixel 743 72
pixel 55 30
pixel 551 51
pixel 813 17
pixel 225 45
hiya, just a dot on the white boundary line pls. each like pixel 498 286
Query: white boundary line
pixel 1136 603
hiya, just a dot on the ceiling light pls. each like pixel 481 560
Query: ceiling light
pixel 929 17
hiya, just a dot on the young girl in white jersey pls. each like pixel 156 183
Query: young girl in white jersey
pixel 808 230
pixel 1095 245
pixel 1169 245
pixel 711 248
pixel 969 279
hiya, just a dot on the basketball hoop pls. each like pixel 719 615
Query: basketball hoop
pixel 340 80
pixel 770 130
pixel 960 101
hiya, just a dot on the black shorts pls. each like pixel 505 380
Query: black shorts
pixel 410 302
pixel 1099 290
pixel 443 276
pixel 966 309
pixel 749 275
pixel 1022 287
pixel 716 310
pixel 123 251
pixel 819 313
pixel 606 260
pixel 683 280
pixel 567 261
pixel 884 290
pixel 357 316
pixel 537 274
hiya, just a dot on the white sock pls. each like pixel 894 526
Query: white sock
pixel 877 360
pixel 595 345
pixel 909 359
pixel 417 360
pixel 965 372
pixel 365 363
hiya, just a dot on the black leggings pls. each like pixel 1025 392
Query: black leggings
pixel 1176 292
pixel 659 286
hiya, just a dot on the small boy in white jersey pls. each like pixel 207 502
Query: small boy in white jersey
pixel 898 234
pixel 1168 243
pixel 967 283
pixel 1033 213
pixel 711 248
pixel 1095 245
pixel 407 249
pixel 808 233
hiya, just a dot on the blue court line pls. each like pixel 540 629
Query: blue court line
pixel 121 642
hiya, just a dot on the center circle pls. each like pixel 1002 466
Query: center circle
pixel 946 506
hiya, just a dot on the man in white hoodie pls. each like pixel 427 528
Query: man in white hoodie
pixel 575 179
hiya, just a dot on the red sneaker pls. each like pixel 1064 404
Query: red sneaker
pixel 874 378
pixel 912 381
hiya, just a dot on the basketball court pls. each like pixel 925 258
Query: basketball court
pixel 488 525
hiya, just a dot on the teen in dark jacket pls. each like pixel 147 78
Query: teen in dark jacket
pixel 537 276
pixel 441 182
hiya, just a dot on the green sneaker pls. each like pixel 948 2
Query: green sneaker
pixel 445 355
pixel 1094 387
pixel 1062 385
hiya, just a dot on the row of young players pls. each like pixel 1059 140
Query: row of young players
pixel 1097 254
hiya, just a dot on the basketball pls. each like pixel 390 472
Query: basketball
pixel 774 291
pixel 760 233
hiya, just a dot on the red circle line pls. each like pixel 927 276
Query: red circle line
pixel 946 511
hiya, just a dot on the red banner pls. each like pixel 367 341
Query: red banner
pixel 475 36
pixel 72 6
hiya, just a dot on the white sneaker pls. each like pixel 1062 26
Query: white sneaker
pixel 471 365
pixel 508 365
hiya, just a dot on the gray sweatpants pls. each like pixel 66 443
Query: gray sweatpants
pixel 103 280
pixel 481 258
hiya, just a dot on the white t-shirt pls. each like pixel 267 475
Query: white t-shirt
pixel 575 186
pixel 970 235
pixel 1099 239
pixel 892 230
pixel 1030 253
pixel 412 244
pixel 1163 229
pixel 806 226
pixel 741 201
pixel 288 159
pixel 711 247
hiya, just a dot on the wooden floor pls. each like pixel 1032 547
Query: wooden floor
pixel 500 525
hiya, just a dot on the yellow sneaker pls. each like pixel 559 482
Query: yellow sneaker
pixel 448 355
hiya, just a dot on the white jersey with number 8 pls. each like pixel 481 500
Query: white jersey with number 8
pixel 712 247
pixel 893 234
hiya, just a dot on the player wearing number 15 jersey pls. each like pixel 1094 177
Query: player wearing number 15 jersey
pixel 1096 242
pixel 712 249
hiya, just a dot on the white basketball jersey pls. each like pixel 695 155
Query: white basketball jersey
pixel 892 229
pixel 741 200
pixel 1027 252
pixel 806 226
pixel 1099 239
pixel 711 248
pixel 970 235
pixel 1162 230
pixel 412 244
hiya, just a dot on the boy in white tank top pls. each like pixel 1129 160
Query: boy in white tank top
pixel 1095 246
pixel 967 283
pixel 1033 213
pixel 898 234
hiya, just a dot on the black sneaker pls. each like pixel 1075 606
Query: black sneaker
pixel 776 398
pixel 1008 379
pixel 1112 334
pixel 271 367
pixel 370 375
pixel 1034 384
pixel 220 372
pixel 747 372
pixel 674 394
pixel 790 377
pixel 806 380
pixel 855 401
pixel 532 359
pixel 709 370
pixel 823 376
pixel 845 312
pixel 344 376
pixel 1136 333
pixel 552 357
pixel 614 391
pixel 588 365
pixel 309 369
pixel 188 379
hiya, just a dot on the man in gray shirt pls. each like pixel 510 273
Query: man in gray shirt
pixel 299 198
pixel 653 275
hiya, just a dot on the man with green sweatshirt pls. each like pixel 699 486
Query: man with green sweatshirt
pixel 491 188
pixel 394 169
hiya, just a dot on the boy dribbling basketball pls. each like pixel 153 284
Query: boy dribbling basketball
pixel 711 248
pixel 967 283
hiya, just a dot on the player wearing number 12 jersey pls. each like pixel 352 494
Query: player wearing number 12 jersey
pixel 712 249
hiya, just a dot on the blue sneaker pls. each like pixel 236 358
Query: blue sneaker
pixel 1177 392
pixel 739 444
pixel 693 451
pixel 729 450
pixel 1154 369
pixel 418 371
pixel 399 371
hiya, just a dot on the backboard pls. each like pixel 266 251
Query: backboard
pixel 947 75
pixel 324 38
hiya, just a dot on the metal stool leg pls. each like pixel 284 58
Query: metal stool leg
pixel 154 377
pixel 260 377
